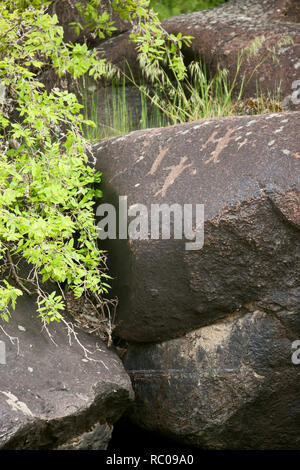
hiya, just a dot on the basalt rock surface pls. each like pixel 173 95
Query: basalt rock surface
pixel 245 171
pixel 67 13
pixel 221 34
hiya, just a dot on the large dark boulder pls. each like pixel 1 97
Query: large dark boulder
pixel 245 171
pixel 231 385
pixel 57 392
pixel 222 33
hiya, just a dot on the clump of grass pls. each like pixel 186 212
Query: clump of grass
pixel 202 96
pixel 167 8
pixel 118 116
pixel 197 97
pixel 167 100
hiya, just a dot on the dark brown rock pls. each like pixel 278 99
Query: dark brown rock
pixel 245 170
pixel 52 395
pixel 221 34
pixel 283 11
pixel 231 385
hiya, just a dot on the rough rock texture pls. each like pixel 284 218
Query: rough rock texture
pixel 231 385
pixel 96 439
pixel 52 396
pixel 221 34
pixel 245 170
pixel 286 11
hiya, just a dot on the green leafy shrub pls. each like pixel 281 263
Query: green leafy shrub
pixel 47 188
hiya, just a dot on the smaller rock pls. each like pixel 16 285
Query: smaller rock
pixel 60 391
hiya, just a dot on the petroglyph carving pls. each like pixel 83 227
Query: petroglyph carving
pixel 157 161
pixel 175 171
pixel 222 143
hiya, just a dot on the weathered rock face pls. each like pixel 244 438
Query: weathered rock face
pixel 97 438
pixel 231 385
pixel 245 171
pixel 51 395
pixel 286 11
pixel 221 34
